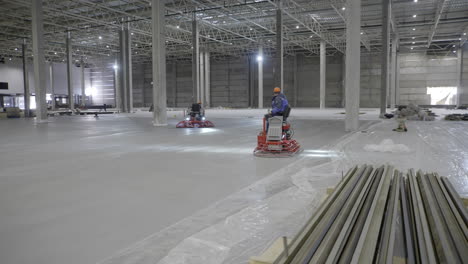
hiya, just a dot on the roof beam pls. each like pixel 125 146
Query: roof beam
pixel 440 9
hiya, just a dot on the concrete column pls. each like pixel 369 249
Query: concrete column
pixel 295 80
pixel 159 63
pixel 343 82
pixel 207 80
pixel 202 78
pixel 39 60
pixel 117 88
pixel 128 68
pixel 278 74
pixel 353 64
pixel 397 80
pixel 323 72
pixel 260 77
pixel 27 94
pixel 393 75
pixel 83 94
pixel 384 55
pixel 459 75
pixel 195 60
pixel 71 101
pixel 52 88
pixel 174 81
pixel 122 71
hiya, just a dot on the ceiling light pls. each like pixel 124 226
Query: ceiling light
pixel 411 47
pixel 136 45
pixel 115 67
pixel 362 33
pixel 100 37
pixel 136 52
pixel 297 26
pixel 413 42
pixel 412 37
pixel 9 59
pixel 259 58
pixel 55 53
pixel 464 34
pixel 311 36
pixel 414 16
pixel 454 46
pixel 459 39
pixel 415 1
pixel 107 46
pixel 454 51
pixel 251 29
pixel 77 50
pixel 131 33
pixel 17 48
pixel 224 22
pixel 343 8
pixel 177 26
pixel 108 55
pixel 414 29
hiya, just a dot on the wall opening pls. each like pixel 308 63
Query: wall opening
pixel 445 95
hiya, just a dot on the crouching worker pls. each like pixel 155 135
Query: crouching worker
pixel 279 104
pixel 195 110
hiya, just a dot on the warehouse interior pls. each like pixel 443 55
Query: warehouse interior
pixel 95 167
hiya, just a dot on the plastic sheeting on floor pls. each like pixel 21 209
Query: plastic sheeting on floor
pixel 245 223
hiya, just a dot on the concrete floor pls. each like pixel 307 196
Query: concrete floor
pixel 78 189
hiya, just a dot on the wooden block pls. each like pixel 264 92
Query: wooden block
pixel 271 254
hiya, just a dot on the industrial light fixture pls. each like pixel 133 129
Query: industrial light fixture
pixel 9 59
pixel 17 48
pixel 413 42
pixel 100 37
pixel 362 33
pixel 343 8
pixel 136 52
pixel 459 38
pixel 454 46
pixel 415 1
pixel 115 67
pixel 414 16
pixel 412 37
pixel 414 29
pixel 55 53
pixel 464 34
pixel 454 51
pixel 250 29
pixel 177 26
pixel 259 58
pixel 136 45
pixel 297 26
pixel 411 47
pixel 107 46
pixel 131 33
pixel 311 36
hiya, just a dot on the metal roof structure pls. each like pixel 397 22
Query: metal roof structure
pixel 229 27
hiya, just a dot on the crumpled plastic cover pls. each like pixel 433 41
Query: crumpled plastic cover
pixel 387 145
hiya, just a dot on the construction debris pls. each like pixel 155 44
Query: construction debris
pixel 457 117
pixel 378 215
pixel 414 112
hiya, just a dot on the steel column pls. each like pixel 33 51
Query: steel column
pixel 39 60
pixel 295 79
pixel 207 80
pixel 27 94
pixel 385 53
pixel 279 78
pixel 71 101
pixel 323 72
pixel 353 64
pixel 195 60
pixel 260 77
pixel 159 63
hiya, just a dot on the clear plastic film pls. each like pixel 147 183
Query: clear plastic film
pixel 247 222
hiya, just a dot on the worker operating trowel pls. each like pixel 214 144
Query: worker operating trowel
pixel 401 119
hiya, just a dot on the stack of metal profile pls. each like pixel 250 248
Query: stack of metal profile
pixel 380 215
